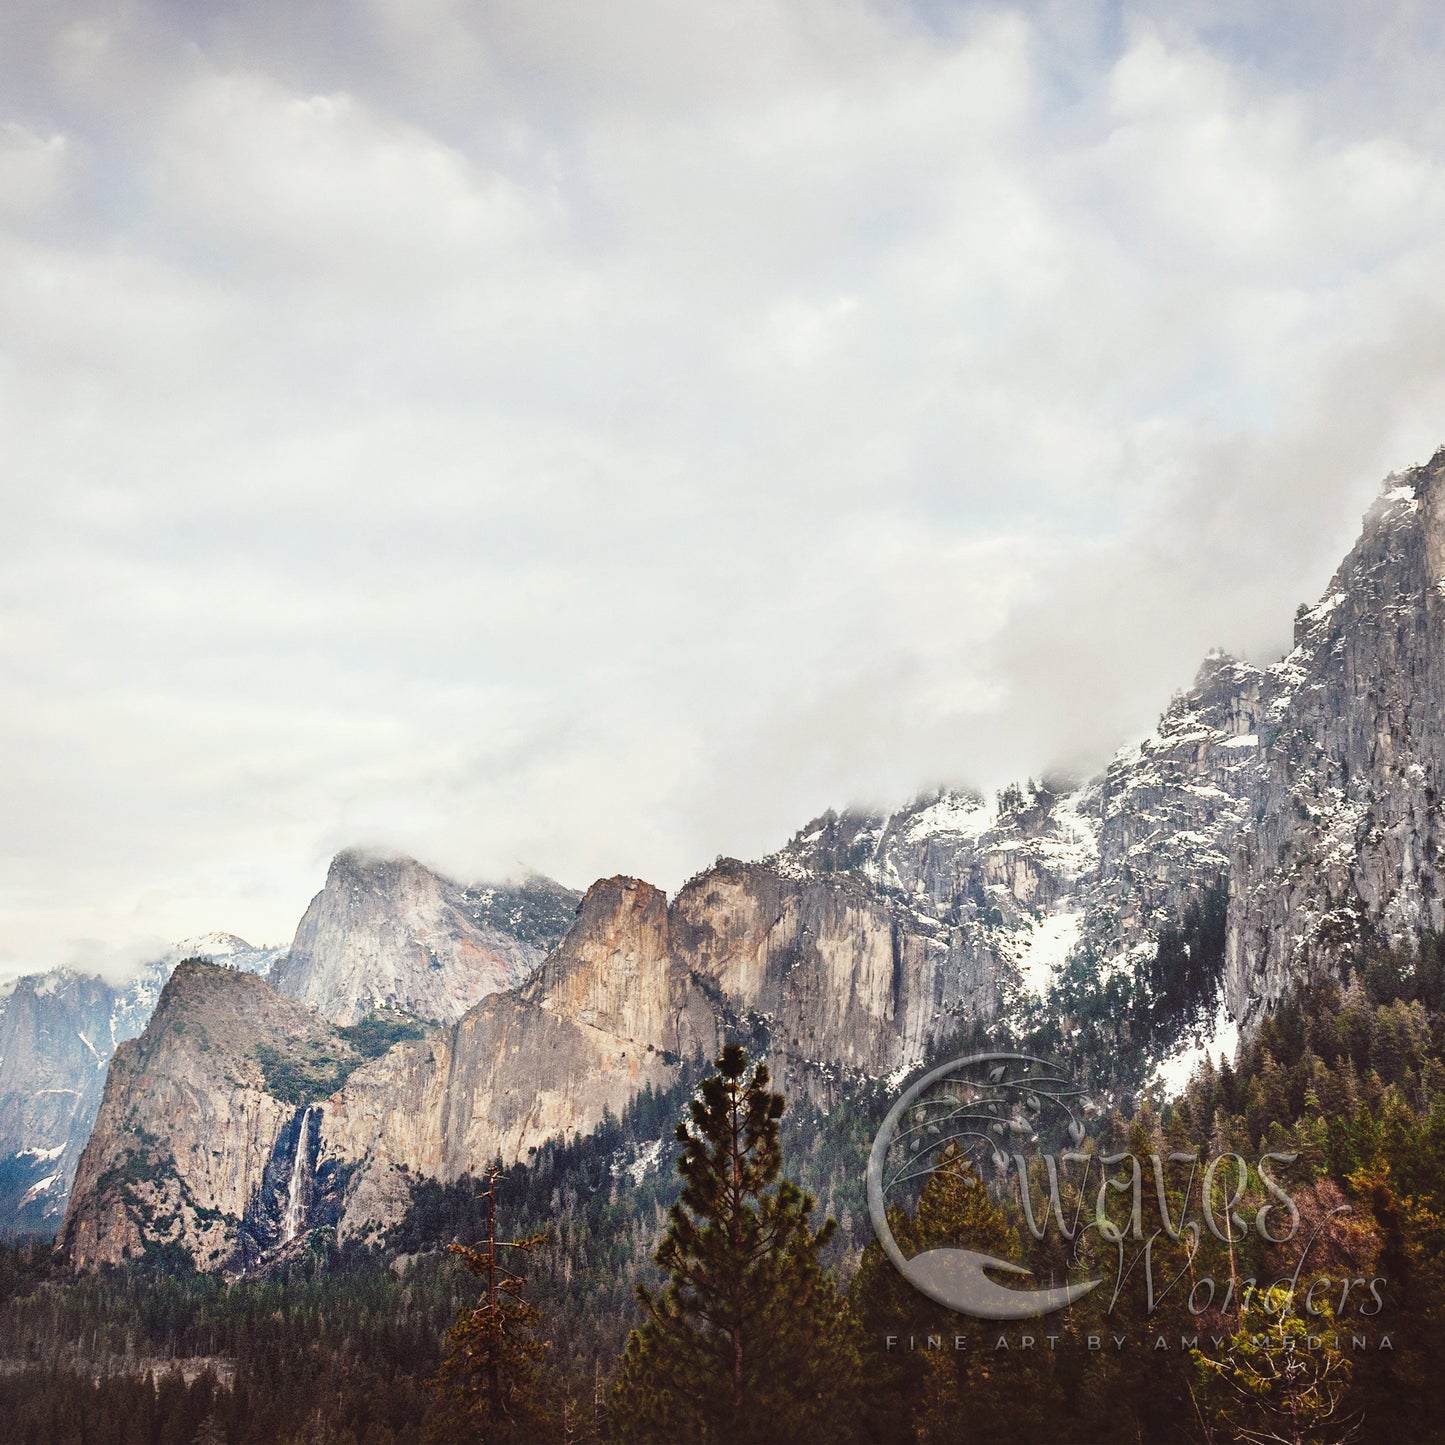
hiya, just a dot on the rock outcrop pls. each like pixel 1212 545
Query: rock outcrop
pixel 196 1141
pixel 387 933
pixel 58 1031
pixel 231 1094
pixel 611 1011
pixel 1345 836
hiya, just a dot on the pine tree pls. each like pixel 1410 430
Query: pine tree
pixel 490 1383
pixel 210 1432
pixel 1286 1384
pixel 748 1342
pixel 914 1394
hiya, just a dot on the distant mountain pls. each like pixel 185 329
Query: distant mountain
pixel 58 1031
pixel 1275 817
pixel 388 934
pixel 199 1133
pixel 384 934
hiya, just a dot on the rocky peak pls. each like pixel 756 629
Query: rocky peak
pixel 1345 837
pixel 1223 699
pixel 196 1141
pixel 618 970
pixel 230 951
pixel 58 1031
pixel 832 843
pixel 388 933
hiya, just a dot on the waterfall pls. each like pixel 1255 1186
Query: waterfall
pixel 295 1205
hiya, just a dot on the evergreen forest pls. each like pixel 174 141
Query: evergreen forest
pixel 1323 1324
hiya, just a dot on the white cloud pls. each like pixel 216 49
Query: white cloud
pixel 594 439
pixel 31 171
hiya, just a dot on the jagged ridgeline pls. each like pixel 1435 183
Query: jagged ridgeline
pixel 1277 817
pixel 400 945
pixel 57 1033
pixel 419 1030
pixel 327 1121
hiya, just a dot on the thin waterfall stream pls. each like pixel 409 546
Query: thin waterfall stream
pixel 295 1205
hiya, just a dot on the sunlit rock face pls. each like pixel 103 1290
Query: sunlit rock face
pixel 387 933
pixel 610 1012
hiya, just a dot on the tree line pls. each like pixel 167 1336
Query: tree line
pixel 761 1316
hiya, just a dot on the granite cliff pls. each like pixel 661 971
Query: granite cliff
pixel 204 1124
pixel 387 933
pixel 1344 836
pixel 58 1031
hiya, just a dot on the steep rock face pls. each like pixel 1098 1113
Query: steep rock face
pixel 58 1031
pixel 982 884
pixel 386 933
pixel 611 1012
pixel 193 1142
pixel 54 1046
pixel 1345 832
pixel 823 964
pixel 1170 809
pixel 203 1122
pixel 614 970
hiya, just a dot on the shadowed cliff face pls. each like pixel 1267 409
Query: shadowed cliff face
pixel 386 933
pixel 55 1043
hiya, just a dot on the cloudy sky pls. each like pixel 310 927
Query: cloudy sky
pixel 592 438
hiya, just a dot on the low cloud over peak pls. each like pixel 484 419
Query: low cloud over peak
pixel 539 442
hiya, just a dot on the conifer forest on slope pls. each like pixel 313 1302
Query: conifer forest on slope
pixel 342 1343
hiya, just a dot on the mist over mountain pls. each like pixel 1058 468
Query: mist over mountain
pixel 388 933
pixel 1277 817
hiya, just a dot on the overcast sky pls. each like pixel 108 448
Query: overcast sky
pixel 595 437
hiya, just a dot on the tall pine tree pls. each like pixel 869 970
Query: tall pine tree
pixel 748 1342
pixel 490 1385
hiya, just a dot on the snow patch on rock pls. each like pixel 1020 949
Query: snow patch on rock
pixel 1173 1073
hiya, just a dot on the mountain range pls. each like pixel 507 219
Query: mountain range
pixel 418 1028
pixel 383 933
